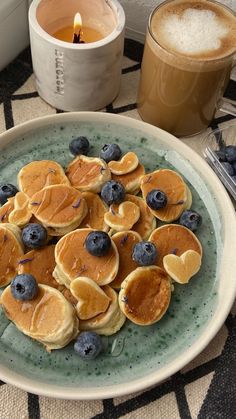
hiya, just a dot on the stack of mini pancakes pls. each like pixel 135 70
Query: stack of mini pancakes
pixel 78 291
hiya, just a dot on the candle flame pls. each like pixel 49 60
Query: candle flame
pixel 77 23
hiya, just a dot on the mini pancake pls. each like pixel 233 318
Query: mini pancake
pixel 123 216
pixel 131 181
pixel 40 263
pixel 146 222
pixel 115 324
pixel 11 250
pixel 96 210
pixel 125 242
pixel 73 260
pixel 127 164
pixel 174 239
pixel 38 174
pixel 91 299
pixel 145 295
pixel 110 321
pixel 88 173
pixel 60 208
pixel 21 213
pixel 172 184
pixel 182 268
pixel 48 318
pixel 6 209
pixel 67 294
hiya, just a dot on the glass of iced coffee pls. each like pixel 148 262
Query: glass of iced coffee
pixel 188 56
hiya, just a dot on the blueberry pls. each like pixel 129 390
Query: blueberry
pixel 110 152
pixel 221 154
pixel 79 145
pixel 7 191
pixel 24 287
pixel 34 235
pixel 230 153
pixel 190 219
pixel 88 345
pixel 156 199
pixel 228 168
pixel 144 253
pixel 113 192
pixel 98 243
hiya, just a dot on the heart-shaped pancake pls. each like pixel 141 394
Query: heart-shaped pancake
pixel 182 268
pixel 21 213
pixel 92 300
pixel 110 321
pixel 122 217
pixel 127 164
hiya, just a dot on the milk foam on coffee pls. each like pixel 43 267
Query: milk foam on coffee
pixel 195 28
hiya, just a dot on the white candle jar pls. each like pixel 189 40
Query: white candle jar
pixel 76 77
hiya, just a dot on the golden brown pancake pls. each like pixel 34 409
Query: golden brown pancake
pixel 73 260
pixel 40 263
pixel 91 299
pixel 172 184
pixel 145 295
pixel 96 210
pixel 131 181
pixel 11 250
pixel 48 318
pixel 88 173
pixel 60 208
pixel 182 268
pixel 67 294
pixel 38 174
pixel 127 164
pixel 125 242
pixel 21 213
pixel 146 222
pixel 122 217
pixel 110 321
pixel 5 210
pixel 174 239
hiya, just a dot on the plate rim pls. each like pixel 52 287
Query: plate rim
pixel 229 222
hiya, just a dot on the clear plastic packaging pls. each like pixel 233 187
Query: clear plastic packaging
pixel 215 141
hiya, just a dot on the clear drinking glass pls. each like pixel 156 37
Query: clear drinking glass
pixel 178 93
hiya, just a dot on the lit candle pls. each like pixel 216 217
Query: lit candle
pixel 77 67
pixel 78 33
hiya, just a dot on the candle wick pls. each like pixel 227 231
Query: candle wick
pixel 76 38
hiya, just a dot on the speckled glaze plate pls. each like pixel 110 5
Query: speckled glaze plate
pixel 136 357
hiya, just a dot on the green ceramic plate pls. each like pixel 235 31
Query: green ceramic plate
pixel 136 357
